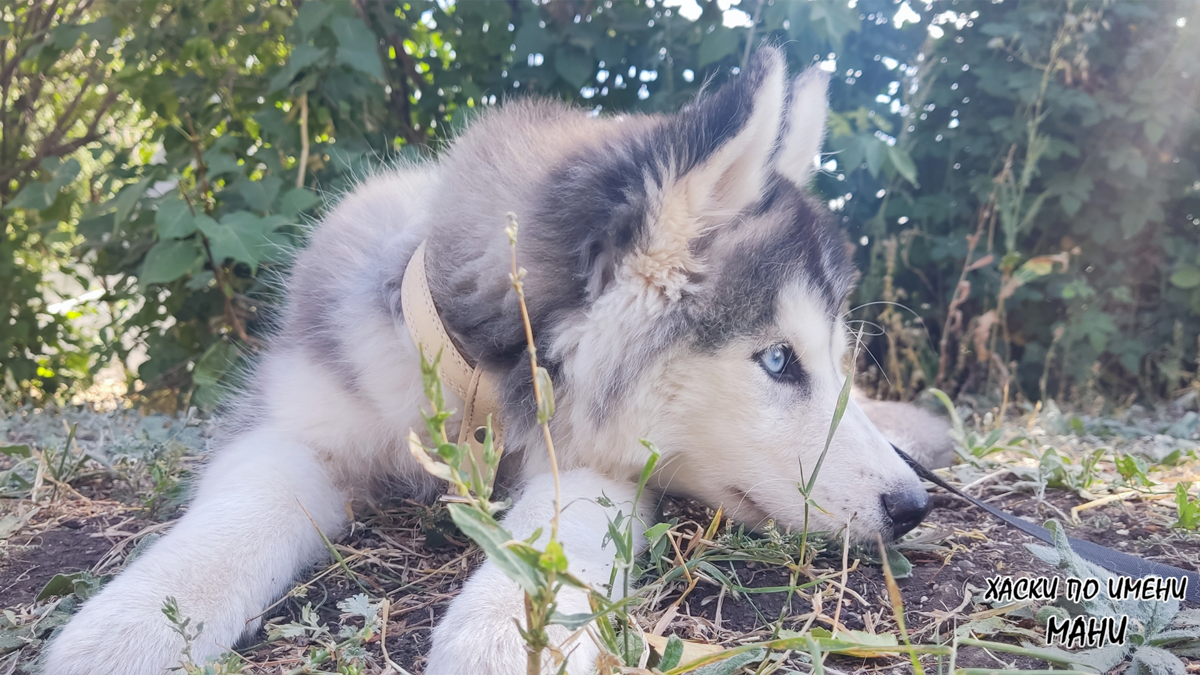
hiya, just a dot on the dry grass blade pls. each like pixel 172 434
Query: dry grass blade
pixel 898 606
pixel 837 613
pixel 996 671
pixel 384 611
pixel 333 550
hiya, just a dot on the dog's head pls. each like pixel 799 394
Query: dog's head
pixel 712 323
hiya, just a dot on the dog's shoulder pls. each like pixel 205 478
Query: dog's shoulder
pixel 918 432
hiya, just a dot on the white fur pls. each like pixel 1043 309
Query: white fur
pixel 729 434
pixel 470 641
pixel 754 460
pixel 246 533
pixel 728 182
pixel 805 126
pixel 215 562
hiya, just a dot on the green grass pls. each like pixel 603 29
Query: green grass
pixel 787 589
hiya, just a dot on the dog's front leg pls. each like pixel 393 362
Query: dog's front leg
pixel 252 525
pixel 478 635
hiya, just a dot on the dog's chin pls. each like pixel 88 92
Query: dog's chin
pixel 742 507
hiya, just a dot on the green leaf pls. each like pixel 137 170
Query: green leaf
pixel 199 280
pixel 168 261
pixel 659 529
pixel 260 194
pixel 1186 277
pixel 357 46
pixel 1133 220
pixel 94 229
pixel 901 567
pixel 302 57
pixel 530 39
pixel 64 36
pixel 1062 556
pixel 225 244
pixel 256 236
pixel 359 605
pixel 215 363
pixel 718 44
pixel 545 408
pixel 127 199
pixel 298 200
pixel 619 541
pixel 874 149
pixel 15 450
pixel 311 15
pixel 903 164
pixel 492 539
pixel 1154 131
pixel 1188 510
pixel 66 174
pixel 59 585
pixel 34 196
pixel 1070 204
pixel 1043 615
pixel 101 29
pixel 12 639
pixel 1000 29
pixel 553 558
pixel 648 467
pixel 239 237
pixel 10 523
pixel 840 19
pixel 573 64
pixel 1156 661
pixel 859 637
pixel 671 653
pixel 174 220
pixel 732 664
pixel 838 411
pixel 609 51
pixel 218 163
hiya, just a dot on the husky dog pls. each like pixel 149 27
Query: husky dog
pixel 682 288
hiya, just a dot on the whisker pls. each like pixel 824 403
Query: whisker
pixel 858 339
pixel 910 310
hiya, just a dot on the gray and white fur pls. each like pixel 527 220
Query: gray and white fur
pixel 683 288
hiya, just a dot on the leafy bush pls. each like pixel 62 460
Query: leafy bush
pixel 1022 176
pixel 1061 140
pixel 53 105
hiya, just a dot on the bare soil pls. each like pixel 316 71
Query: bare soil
pixel 411 554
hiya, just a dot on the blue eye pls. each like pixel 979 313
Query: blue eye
pixel 782 365
pixel 776 359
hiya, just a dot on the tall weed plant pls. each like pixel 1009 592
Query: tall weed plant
pixel 1020 176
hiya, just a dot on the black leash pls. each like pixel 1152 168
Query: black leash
pixel 1113 561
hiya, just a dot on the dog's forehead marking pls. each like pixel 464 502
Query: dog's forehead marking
pixel 803 316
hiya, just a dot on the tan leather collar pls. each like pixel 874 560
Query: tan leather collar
pixel 469 382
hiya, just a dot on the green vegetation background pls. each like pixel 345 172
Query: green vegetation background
pixel 1021 176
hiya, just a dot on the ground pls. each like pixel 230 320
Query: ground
pixel 69 521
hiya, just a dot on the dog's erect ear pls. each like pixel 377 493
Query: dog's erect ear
pixel 804 126
pixel 721 145
pixel 714 162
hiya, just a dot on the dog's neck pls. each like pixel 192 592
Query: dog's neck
pixel 469 381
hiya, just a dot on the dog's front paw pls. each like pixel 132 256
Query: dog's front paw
pixel 124 631
pixel 115 635
pixel 479 635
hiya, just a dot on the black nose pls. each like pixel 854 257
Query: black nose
pixel 906 508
